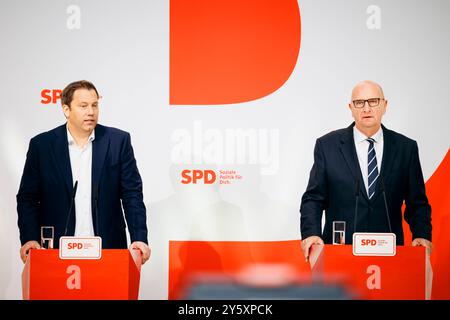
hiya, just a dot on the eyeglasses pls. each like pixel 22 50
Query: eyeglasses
pixel 372 102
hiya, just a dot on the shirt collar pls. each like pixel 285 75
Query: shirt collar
pixel 360 137
pixel 71 140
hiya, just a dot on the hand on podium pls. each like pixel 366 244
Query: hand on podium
pixel 424 243
pixel 144 248
pixel 33 244
pixel 308 242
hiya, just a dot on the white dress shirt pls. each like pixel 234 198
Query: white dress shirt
pixel 81 164
pixel 362 148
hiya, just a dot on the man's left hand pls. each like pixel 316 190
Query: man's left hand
pixel 424 243
pixel 144 248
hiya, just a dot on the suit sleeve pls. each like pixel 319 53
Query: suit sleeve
pixel 28 197
pixel 315 198
pixel 131 193
pixel 418 210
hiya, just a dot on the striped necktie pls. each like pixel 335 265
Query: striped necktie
pixel 372 168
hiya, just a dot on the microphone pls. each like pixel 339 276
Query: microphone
pixel 72 200
pixel 356 204
pixel 385 203
pixel 96 208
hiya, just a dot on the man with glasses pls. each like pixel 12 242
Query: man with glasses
pixel 369 167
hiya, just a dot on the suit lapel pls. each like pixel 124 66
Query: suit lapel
pixel 60 154
pixel 100 147
pixel 348 151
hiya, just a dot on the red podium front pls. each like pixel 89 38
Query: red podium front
pixel 115 276
pixel 407 275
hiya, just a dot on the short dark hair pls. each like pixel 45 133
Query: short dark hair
pixel 67 93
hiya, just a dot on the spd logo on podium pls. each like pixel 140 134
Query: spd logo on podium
pixel 374 244
pixel 80 248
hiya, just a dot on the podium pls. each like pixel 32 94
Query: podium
pixel 237 262
pixel 406 276
pixel 115 276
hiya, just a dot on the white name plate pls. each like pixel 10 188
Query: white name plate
pixel 374 244
pixel 80 248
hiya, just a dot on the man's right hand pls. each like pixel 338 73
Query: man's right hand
pixel 33 244
pixel 308 242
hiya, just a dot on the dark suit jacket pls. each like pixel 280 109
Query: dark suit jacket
pixel 332 187
pixel 46 187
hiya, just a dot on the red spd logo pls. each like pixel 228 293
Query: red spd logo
pixel 194 176
pixel 74 245
pixel 50 96
pixel 368 242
